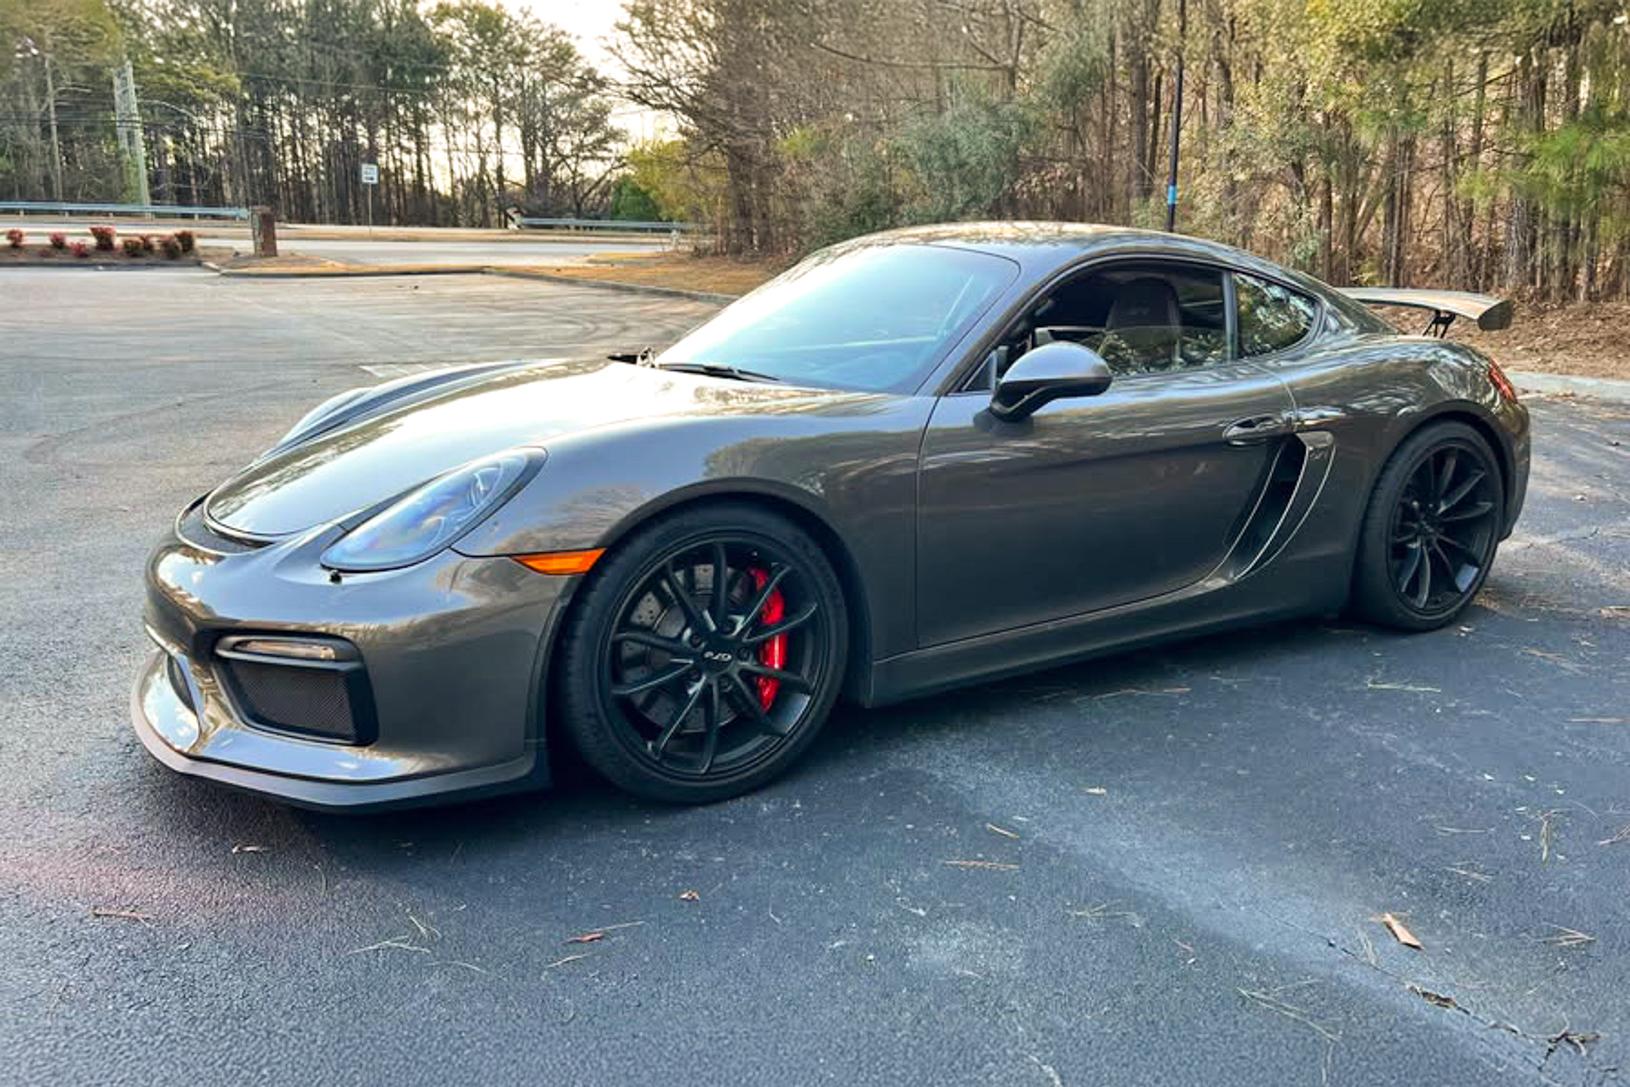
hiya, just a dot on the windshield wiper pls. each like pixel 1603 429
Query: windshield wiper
pixel 719 369
pixel 645 356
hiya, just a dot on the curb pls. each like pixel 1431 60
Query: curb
pixel 1598 388
pixel 346 272
pixel 614 285
pixel 491 270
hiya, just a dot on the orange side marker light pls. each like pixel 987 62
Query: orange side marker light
pixel 560 562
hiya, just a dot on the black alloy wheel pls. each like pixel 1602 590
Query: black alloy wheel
pixel 1432 528
pixel 1443 530
pixel 706 655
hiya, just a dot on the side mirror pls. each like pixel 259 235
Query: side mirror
pixel 1051 372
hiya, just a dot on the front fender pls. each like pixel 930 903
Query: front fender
pixel 853 468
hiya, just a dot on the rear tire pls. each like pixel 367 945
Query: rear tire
pixel 1430 531
pixel 677 684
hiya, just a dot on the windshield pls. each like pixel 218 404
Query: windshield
pixel 875 318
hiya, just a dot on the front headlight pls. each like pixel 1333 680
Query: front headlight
pixel 431 517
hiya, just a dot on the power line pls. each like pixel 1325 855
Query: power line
pixel 350 85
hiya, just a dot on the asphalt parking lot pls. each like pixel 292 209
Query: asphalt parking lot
pixel 1159 868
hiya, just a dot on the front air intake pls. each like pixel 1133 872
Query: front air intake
pixel 324 699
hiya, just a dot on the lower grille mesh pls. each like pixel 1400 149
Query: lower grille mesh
pixel 310 700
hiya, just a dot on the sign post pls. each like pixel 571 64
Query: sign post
pixel 370 178
pixel 1177 117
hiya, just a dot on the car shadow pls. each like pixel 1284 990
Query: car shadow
pixel 1119 706
pixel 856 741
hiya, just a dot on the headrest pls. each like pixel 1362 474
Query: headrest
pixel 1149 302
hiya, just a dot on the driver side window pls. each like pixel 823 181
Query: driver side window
pixel 1141 317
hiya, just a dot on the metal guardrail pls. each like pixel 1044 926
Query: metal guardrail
pixel 24 207
pixel 43 207
pixel 642 225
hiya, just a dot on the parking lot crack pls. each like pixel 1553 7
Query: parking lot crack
pixel 1535 1049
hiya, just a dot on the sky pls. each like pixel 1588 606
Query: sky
pixel 591 22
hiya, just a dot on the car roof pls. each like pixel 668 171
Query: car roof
pixel 1042 247
pixel 1016 238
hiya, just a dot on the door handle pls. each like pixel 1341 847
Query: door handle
pixel 1258 428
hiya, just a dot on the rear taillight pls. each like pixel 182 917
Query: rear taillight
pixel 1503 383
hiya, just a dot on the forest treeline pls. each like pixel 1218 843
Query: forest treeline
pixel 1481 144
pixel 467 107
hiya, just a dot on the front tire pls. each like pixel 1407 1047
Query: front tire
pixel 1431 529
pixel 704 655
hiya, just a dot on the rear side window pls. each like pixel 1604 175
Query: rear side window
pixel 1271 317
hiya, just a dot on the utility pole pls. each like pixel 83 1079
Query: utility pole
pixel 1177 117
pixel 56 141
pixel 132 147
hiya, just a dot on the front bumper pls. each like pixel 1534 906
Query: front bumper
pixel 454 660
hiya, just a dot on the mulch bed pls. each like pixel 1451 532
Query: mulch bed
pixel 32 255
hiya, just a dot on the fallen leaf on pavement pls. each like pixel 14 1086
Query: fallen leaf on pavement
pixel 1578 1039
pixel 1400 933
pixel 1430 997
pixel 1623 835
pixel 1003 831
pixel 1140 690
pixel 1568 937
pixel 1547 832
pixel 399 943
pixel 994 866
pixel 690 896
pixel 567 959
pixel 1412 688
pixel 126 915
pixel 1470 872
pixel 1096 790
pixel 1105 911
pixel 1557 659
pixel 587 938
pixel 1270 1000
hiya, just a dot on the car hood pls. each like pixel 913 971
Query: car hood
pixel 357 466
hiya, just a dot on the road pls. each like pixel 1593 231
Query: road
pixel 353 245
pixel 1187 847
pixel 448 254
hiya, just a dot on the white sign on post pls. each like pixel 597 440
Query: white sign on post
pixel 370 173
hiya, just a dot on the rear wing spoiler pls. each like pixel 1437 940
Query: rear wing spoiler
pixel 1491 314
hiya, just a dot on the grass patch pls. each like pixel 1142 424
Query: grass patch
pixel 680 271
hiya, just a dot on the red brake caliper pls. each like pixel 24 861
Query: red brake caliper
pixel 773 653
